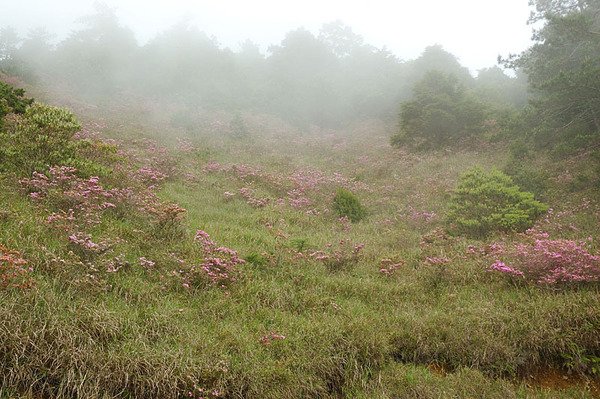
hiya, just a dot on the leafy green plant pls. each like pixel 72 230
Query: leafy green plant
pixel 41 138
pixel 12 100
pixel 345 203
pixel 485 202
pixel 580 361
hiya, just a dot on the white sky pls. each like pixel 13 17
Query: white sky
pixel 476 31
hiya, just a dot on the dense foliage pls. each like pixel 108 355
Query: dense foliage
pixel 485 202
pixel 441 112
pixel 346 204
pixel 12 101
pixel 39 139
pixel 563 69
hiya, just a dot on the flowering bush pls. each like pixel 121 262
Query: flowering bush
pixel 546 261
pixel 81 198
pixel 344 257
pixel 270 337
pixel 219 267
pixel 248 195
pixel 486 202
pixel 387 267
pixel 13 270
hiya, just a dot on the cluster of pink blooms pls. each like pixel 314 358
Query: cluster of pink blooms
pixel 344 256
pixel 14 272
pixel 270 337
pixel 84 242
pixel 421 216
pixel 214 166
pixel 248 195
pixel 297 198
pixel 434 260
pixel 184 145
pixel 150 175
pixel 503 268
pixel 546 261
pixel 198 392
pixel 246 172
pixel 87 197
pixel 220 264
pixel 116 264
pixel 387 267
pixel 146 263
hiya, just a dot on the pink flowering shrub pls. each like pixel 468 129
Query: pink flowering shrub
pixel 13 270
pixel 270 337
pixel 387 267
pixel 434 260
pixel 83 244
pixel 343 257
pixel 219 267
pixel 546 261
pixel 75 196
pixel 252 200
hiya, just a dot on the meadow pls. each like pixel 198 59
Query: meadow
pixel 206 261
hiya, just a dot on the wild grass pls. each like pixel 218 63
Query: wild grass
pixel 440 325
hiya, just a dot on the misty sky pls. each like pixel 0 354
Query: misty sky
pixel 476 31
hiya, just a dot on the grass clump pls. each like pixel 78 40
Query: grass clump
pixel 485 202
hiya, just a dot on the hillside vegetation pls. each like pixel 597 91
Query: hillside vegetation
pixel 184 248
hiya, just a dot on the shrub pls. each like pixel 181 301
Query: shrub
pixel 41 138
pixel 13 270
pixel 344 257
pixel 345 203
pixel 12 100
pixel 486 202
pixel 552 262
pixel 220 266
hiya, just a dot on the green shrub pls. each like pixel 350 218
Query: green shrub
pixel 42 137
pixel 346 204
pixel 487 202
pixel 12 100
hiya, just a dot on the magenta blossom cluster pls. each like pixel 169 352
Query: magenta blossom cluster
pixel 86 198
pixel 14 272
pixel 150 175
pixel 252 200
pixel 503 268
pixel 419 216
pixel 435 260
pixel 84 242
pixel 270 337
pixel 546 261
pixel 342 257
pixel 219 267
pixel 387 267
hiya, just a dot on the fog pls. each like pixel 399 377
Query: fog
pixel 310 64
pixel 473 30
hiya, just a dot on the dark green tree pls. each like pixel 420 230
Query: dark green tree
pixel 563 67
pixel 441 112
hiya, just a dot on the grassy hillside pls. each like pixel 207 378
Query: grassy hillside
pixel 199 262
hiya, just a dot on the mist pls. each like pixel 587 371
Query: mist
pixel 308 66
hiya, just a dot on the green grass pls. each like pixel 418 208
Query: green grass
pixel 353 333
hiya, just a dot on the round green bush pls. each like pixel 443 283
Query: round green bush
pixel 484 202
pixel 346 204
